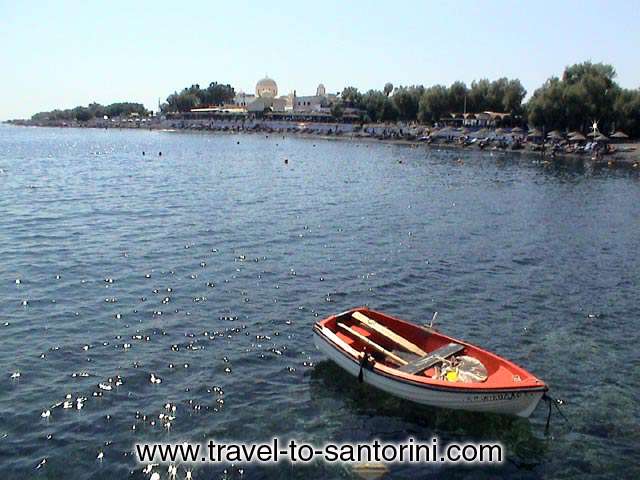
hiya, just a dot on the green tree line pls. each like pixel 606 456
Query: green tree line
pixel 194 96
pixel 93 110
pixel 430 104
pixel 585 93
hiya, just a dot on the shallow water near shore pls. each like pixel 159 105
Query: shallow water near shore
pixel 208 265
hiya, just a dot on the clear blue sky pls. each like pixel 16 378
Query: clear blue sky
pixel 68 53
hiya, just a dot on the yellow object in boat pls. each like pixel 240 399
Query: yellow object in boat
pixel 452 375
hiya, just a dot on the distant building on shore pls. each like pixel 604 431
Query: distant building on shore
pixel 266 98
pixel 243 99
pixel 313 103
pixel 481 119
pixel 266 88
pixel 265 103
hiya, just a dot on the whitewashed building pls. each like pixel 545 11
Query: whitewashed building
pixel 266 96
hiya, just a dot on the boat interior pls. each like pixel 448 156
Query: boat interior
pixel 421 353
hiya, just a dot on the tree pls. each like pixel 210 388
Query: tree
pixel 336 110
pixel 82 114
pixel 388 88
pixel 433 104
pixel 406 101
pixel 587 92
pixel 373 103
pixel 478 100
pixel 182 102
pixel 458 92
pixel 389 111
pixel 120 109
pixel 217 94
pixel 351 97
pixel 194 96
pixel 546 105
pixel 97 110
pixel 627 112
pixel 513 96
pixel 578 72
pixel 93 110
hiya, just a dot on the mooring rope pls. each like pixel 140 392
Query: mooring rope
pixel 365 362
pixel 553 402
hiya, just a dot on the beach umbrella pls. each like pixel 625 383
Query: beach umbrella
pixel 602 138
pixel 534 133
pixel 499 131
pixel 620 135
pixel 555 134
pixel 595 133
pixel 517 130
pixel 575 132
pixel 577 137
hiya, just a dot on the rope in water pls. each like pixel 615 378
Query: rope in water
pixel 553 402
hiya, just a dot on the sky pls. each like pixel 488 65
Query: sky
pixel 68 53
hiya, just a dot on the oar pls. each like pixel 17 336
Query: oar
pixel 390 334
pixel 341 343
pixel 374 345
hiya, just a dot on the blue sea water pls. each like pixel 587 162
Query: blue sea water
pixel 208 265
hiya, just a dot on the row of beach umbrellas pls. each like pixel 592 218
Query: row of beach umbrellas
pixel 483 132
pixel 574 136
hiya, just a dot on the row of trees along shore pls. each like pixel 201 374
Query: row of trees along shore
pixel 585 92
pixel 430 104
pixel 194 96
pixel 93 110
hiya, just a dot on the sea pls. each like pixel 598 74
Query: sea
pixel 161 286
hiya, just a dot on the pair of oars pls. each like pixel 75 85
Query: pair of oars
pixel 385 332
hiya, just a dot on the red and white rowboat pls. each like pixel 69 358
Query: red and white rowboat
pixel 422 365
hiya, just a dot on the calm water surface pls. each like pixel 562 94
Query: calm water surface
pixel 208 265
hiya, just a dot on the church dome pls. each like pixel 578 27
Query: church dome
pixel 266 88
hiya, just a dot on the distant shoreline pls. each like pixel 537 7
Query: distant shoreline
pixel 628 159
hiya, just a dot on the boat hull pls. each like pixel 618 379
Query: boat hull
pixel 505 401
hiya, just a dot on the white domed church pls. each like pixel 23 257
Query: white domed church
pixel 266 87
pixel 266 97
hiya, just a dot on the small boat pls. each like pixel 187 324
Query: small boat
pixel 422 365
